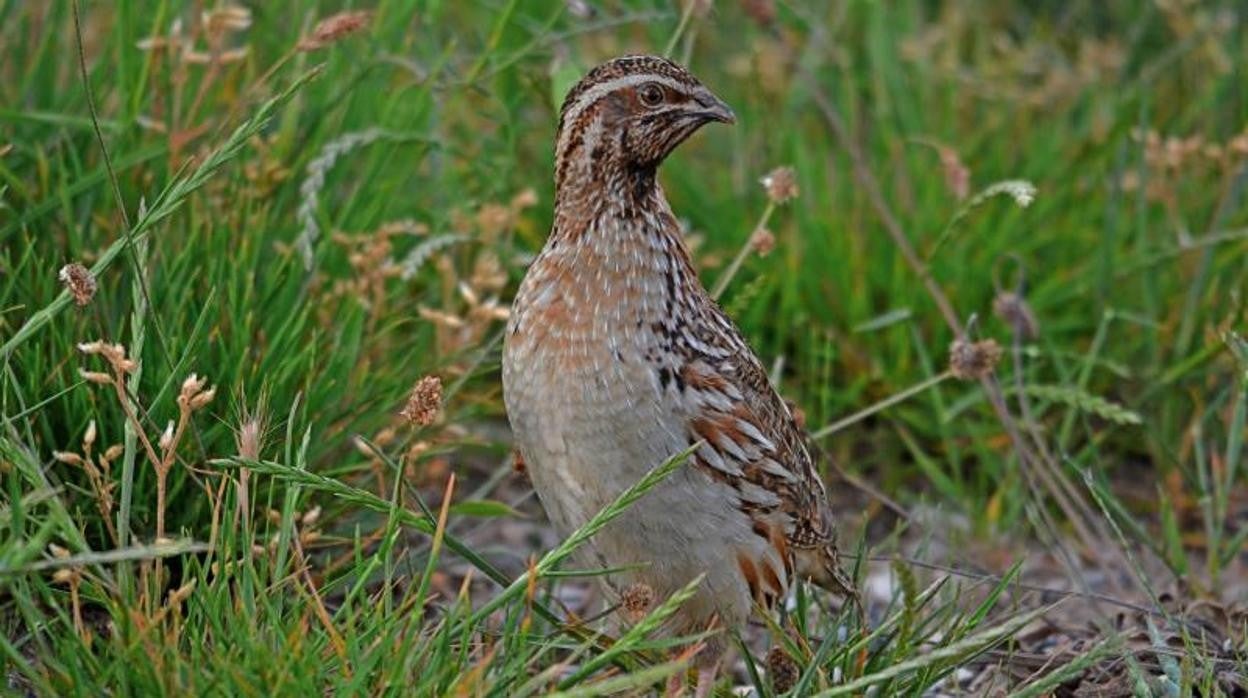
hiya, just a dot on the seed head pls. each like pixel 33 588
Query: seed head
pixel 79 281
pixel 1015 312
pixel 193 396
pixel 424 403
pixel 333 28
pixel 248 438
pixel 95 377
pixel 166 438
pixel 781 184
pixel 193 384
pixel 763 12
pixel 763 241
pixel 66 457
pixel 957 174
pixel 231 18
pixel 180 594
pixel 311 516
pixel 782 670
pixel 636 601
pixel 203 398
pixel 973 360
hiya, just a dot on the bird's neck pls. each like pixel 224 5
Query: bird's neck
pixel 610 203
pixel 616 234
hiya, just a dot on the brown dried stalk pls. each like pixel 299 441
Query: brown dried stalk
pixel 192 397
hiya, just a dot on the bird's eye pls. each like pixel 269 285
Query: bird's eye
pixel 651 94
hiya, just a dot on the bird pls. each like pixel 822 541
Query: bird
pixel 616 358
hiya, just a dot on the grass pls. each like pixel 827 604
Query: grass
pixel 313 231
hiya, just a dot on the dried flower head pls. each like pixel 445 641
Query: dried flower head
pixel 763 12
pixel 67 457
pixel 763 241
pixel 424 403
pixel 224 20
pixel 957 174
pixel 973 360
pixel 1015 312
pixel 311 516
pixel 193 396
pixel 781 184
pixel 636 601
pixel 166 437
pixel 114 354
pixel 249 437
pixel 79 281
pixel 781 670
pixel 334 28
pixel 96 377
pixel 180 594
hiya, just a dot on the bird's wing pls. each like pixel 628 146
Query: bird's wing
pixel 751 440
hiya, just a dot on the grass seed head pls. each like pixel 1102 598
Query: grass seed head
pixel 249 437
pixel 636 601
pixel 424 403
pixel 1015 312
pixel 334 28
pixel 957 174
pixel 166 437
pixel 781 185
pixel 79 281
pixel 67 457
pixel 973 360
pixel 763 241
pixel 781 670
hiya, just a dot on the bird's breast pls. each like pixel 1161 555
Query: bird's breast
pixel 581 381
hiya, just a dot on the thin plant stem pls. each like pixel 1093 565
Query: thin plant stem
pixel 882 405
pixel 721 284
pixel 685 16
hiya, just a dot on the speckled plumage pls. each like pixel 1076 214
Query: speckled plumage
pixel 616 358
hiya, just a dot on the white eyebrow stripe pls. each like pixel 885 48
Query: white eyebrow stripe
pixel 597 92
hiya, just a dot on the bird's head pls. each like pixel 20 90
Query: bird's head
pixel 629 114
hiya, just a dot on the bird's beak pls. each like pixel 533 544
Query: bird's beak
pixel 714 108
